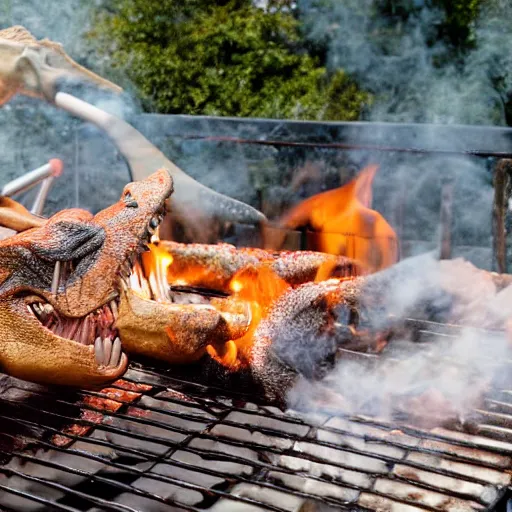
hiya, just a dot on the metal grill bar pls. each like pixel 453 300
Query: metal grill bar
pixel 172 443
pixel 421 138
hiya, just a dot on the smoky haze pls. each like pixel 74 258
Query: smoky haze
pixel 415 76
pixel 427 382
pixel 412 79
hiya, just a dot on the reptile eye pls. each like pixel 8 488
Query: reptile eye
pixel 129 201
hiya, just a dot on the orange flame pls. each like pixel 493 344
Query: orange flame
pixel 253 289
pixel 156 263
pixel 344 224
pixel 259 287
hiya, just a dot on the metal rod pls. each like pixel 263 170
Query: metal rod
pixel 32 178
pixel 38 206
pixel 502 183
pixel 446 220
pixel 353 147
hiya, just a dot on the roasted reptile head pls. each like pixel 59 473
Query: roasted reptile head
pixel 60 285
pixel 185 300
pixel 36 68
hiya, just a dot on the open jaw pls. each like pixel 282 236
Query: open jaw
pixel 59 307
pixel 96 330
pixel 175 326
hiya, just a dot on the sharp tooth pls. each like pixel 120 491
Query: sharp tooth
pixel 156 237
pixel 98 350
pixel 107 350
pixel 85 333
pixel 37 308
pixel 56 278
pixel 113 307
pixel 116 353
pixel 48 309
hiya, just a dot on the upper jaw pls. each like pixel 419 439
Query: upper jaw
pixel 128 230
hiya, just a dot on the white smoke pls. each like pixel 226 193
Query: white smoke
pixel 431 382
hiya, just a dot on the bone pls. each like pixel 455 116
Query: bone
pixel 107 350
pixel 56 278
pixel 98 351
pixel 116 353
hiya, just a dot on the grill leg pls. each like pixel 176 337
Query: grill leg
pixel 445 252
pixel 502 186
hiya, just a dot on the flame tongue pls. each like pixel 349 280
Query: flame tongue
pixel 258 287
pixel 343 223
pixel 149 275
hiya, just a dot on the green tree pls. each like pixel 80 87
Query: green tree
pixel 222 58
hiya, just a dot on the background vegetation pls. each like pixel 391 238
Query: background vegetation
pixel 301 59
pixel 235 58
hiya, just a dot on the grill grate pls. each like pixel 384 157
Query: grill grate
pixel 158 441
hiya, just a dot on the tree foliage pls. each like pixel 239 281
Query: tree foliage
pixel 222 58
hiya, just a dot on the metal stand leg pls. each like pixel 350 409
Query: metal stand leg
pixel 42 176
pixel 446 219
pixel 502 185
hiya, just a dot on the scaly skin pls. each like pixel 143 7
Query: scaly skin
pixel 214 266
pixel 303 330
pixel 91 252
pixel 92 256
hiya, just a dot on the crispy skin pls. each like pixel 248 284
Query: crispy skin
pixel 214 266
pixel 302 332
pixel 176 333
pixel 98 247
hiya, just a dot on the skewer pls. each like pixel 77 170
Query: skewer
pixel 52 169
